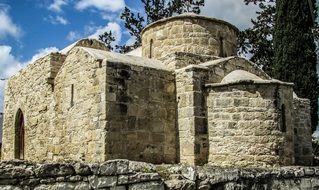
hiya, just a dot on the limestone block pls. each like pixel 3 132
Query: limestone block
pixel 180 184
pixel 102 182
pixel 148 186
pixel 9 187
pixel 54 170
pixel 118 188
pixel 82 186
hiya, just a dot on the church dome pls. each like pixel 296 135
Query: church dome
pixel 189 33
pixel 239 75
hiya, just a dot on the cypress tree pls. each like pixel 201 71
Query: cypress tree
pixel 295 50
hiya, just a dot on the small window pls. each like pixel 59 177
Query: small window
pixel 72 95
pixel 221 47
pixel 100 63
pixel 19 136
pixel 151 48
pixel 283 119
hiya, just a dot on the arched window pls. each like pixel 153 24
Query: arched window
pixel 283 118
pixel 151 48
pixel 19 136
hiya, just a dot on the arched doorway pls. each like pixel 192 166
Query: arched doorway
pixel 19 136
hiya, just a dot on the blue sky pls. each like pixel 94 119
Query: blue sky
pixel 54 23
pixel 30 29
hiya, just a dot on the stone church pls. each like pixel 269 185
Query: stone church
pixel 187 99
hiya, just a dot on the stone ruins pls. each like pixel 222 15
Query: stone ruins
pixel 187 99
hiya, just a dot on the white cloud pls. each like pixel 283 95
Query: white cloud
pixel 73 35
pixel 93 31
pixel 41 53
pixel 233 11
pixel 104 5
pixel 90 28
pixel 111 26
pixel 57 20
pixel 7 27
pixel 61 20
pixel 8 63
pixel 57 4
pixel 2 84
pixel 111 17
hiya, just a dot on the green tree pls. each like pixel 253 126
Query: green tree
pixel 154 10
pixel 257 41
pixel 295 50
pixel 108 39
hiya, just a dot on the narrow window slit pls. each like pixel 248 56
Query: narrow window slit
pixel 72 95
pixel 221 47
pixel 100 63
pixel 151 48
pixel 283 119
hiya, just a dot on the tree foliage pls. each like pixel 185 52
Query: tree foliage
pixel 257 41
pixel 295 50
pixel 108 39
pixel 154 10
pixel 281 42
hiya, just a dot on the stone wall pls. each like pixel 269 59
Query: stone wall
pixel 252 114
pixel 141 112
pixel 192 121
pixel 56 63
pixel 129 175
pixel 245 126
pixel 302 131
pixel 79 116
pixel 30 91
pixel 189 33
pixel 91 43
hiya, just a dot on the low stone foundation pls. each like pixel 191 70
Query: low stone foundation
pixel 129 175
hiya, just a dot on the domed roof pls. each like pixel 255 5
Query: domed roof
pixel 239 75
pixel 190 15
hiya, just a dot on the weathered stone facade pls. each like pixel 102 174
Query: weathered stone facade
pixel 302 134
pixel 187 104
pixel 97 107
pixel 245 126
pixel 31 92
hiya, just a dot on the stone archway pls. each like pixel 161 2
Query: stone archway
pixel 19 136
